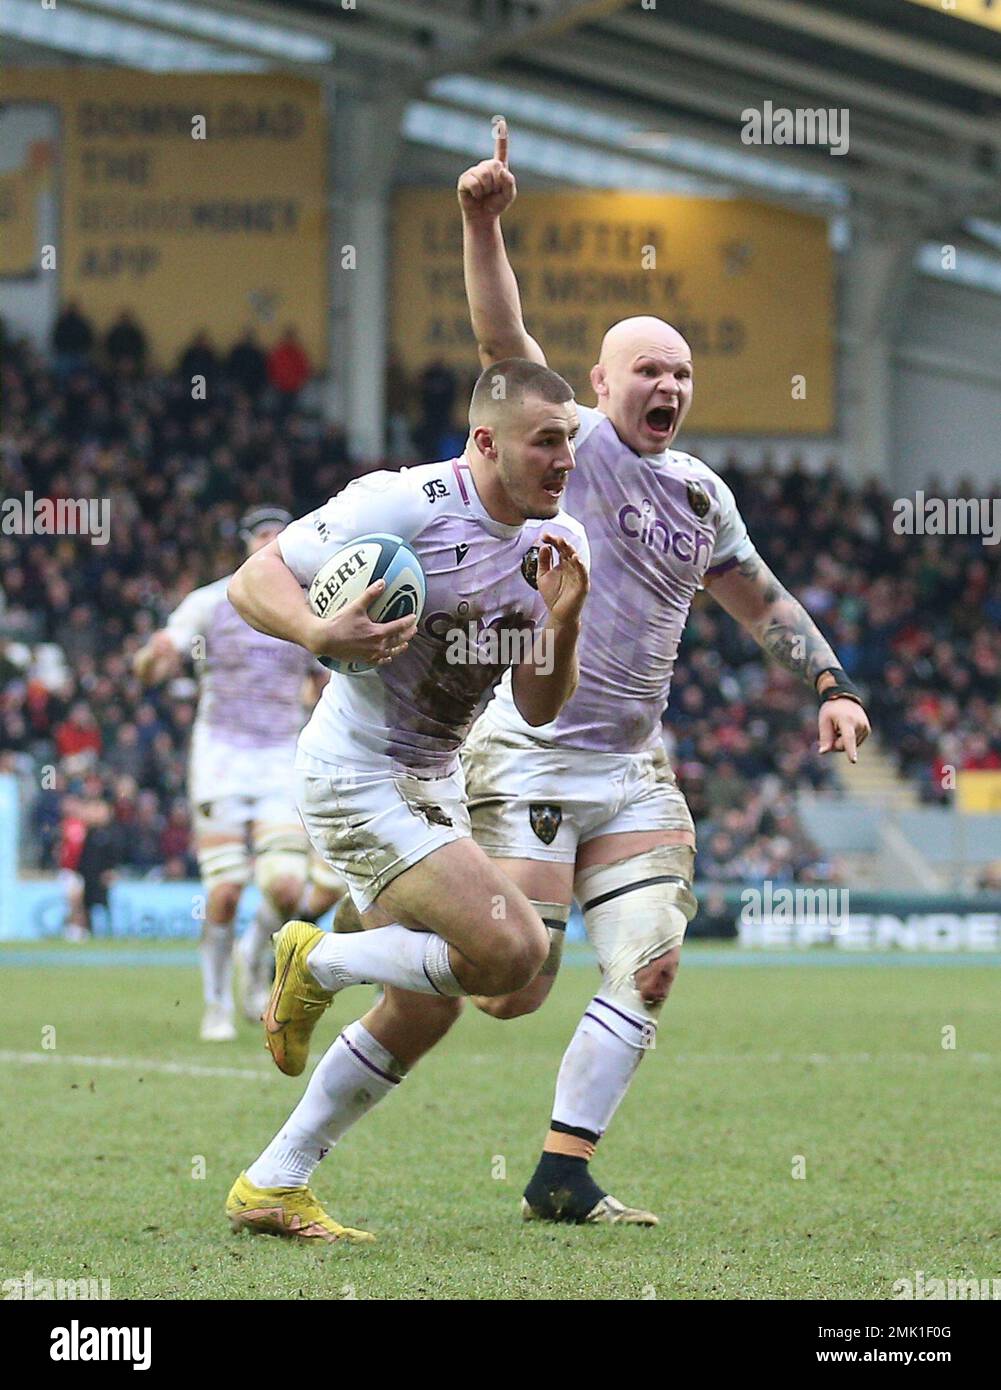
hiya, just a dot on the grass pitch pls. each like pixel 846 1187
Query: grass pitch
pixel 836 1071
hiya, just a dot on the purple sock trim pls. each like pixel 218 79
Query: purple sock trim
pixel 595 1019
pixel 394 1080
pixel 625 1017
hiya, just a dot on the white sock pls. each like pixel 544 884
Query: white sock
pixel 599 1064
pixel 350 1078
pixel 255 942
pixel 416 960
pixel 216 950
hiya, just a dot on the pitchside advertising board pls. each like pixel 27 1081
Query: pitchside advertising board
pixel 197 201
pixel 750 287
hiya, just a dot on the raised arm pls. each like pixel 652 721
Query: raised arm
pixel 485 192
pixel 780 624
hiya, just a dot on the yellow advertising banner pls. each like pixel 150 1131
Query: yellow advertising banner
pixel 985 12
pixel 198 201
pixel 978 793
pixel 19 193
pixel 749 285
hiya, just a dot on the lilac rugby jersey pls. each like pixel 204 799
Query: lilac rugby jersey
pixel 657 524
pixel 414 712
pixel 249 684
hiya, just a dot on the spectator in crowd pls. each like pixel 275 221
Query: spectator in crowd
pixel 199 359
pixel 100 855
pixel 916 619
pixel 125 346
pixel 78 735
pixel 247 365
pixel 437 388
pixel 289 366
pixel 72 340
pixel 399 441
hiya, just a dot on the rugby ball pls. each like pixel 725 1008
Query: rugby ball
pixel 349 572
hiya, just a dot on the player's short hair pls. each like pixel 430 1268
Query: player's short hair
pixel 509 381
pixel 260 517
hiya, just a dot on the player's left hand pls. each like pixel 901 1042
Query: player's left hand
pixel 564 586
pixel 844 727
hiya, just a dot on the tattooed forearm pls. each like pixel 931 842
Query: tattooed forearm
pixel 780 623
pixel 794 640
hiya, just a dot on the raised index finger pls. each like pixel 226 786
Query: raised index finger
pixel 500 140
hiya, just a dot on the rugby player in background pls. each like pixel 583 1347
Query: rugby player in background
pixel 240 780
pixel 380 784
pixel 588 806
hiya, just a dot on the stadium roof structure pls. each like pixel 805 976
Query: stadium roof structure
pixel 639 93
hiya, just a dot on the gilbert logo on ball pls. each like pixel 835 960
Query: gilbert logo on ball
pixel 349 572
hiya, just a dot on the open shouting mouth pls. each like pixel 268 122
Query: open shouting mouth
pixel 662 420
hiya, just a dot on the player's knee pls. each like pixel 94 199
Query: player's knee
pixel 654 980
pixel 521 957
pixel 507 1006
pixel 285 893
pixel 280 870
pixel 223 901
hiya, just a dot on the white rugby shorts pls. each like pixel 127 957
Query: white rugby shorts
pixel 529 800
pixel 371 825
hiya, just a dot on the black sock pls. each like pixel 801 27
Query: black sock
pixel 562 1188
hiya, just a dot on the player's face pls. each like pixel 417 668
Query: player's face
pixel 535 455
pixel 646 393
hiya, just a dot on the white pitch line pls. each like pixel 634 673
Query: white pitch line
pixel 716 1059
pixel 135 1064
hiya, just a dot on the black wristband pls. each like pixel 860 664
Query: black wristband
pixel 842 689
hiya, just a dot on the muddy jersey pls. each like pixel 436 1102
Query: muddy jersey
pixel 249 684
pixel 657 524
pixel 481 612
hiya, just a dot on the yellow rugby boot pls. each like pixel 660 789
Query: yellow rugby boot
pixel 296 1000
pixel 285 1211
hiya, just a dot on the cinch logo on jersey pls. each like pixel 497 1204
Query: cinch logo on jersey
pixel 324 597
pixel 76 1343
pixel 642 524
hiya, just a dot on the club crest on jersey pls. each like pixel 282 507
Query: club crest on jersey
pixel 530 567
pixel 545 821
pixel 698 498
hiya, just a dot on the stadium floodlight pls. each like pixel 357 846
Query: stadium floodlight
pixel 443 128
pixel 209 23
pixel 702 158
pixel 966 267
pixel 68 30
pixel 990 232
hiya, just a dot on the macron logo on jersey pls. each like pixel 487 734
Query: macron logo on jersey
pixel 644 525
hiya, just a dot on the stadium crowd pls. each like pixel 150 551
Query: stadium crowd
pixel 916 620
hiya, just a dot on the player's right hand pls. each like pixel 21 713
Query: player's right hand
pixel 353 636
pixel 488 189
